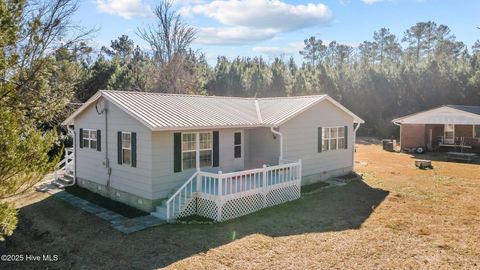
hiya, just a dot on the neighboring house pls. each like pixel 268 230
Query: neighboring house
pixel 227 156
pixel 442 128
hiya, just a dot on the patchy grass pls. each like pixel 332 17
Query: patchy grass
pixel 397 217
pixel 117 207
pixel 314 187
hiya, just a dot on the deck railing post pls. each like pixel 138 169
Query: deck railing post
pixel 265 182
pixel 300 170
pixel 220 178
pixel 198 184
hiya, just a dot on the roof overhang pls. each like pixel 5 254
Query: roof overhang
pixel 440 116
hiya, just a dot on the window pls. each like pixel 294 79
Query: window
pixel 237 145
pixel 89 137
pixel 333 138
pixel 126 148
pixel 477 131
pixel 205 149
pixel 189 149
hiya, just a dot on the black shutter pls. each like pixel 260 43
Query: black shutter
pixel 320 140
pixel 216 150
pixel 346 136
pixel 119 147
pixel 177 152
pixel 81 138
pixel 134 149
pixel 99 140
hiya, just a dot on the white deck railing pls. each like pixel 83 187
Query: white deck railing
pixel 180 199
pixel 245 181
pixel 66 165
pixel 246 191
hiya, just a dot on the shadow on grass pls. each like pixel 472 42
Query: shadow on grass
pixel 442 156
pixel 82 240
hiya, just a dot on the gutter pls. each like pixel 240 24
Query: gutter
pixel 280 157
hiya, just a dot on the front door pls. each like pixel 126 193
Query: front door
pixel 238 163
pixel 449 134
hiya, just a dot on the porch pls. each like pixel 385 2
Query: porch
pixel 226 196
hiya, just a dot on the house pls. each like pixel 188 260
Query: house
pixel 220 157
pixel 449 127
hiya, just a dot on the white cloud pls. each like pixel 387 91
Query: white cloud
pixel 127 9
pixel 292 48
pixel 256 20
pixel 232 35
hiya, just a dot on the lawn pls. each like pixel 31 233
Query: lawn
pixel 397 217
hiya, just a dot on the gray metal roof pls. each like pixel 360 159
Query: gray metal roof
pixel 447 114
pixel 465 108
pixel 160 111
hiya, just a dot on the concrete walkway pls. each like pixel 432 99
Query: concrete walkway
pixel 118 222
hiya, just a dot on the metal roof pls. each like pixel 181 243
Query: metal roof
pixel 465 108
pixel 447 114
pixel 160 111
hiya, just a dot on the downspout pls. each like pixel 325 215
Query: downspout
pixel 280 157
pixel 107 161
pixel 354 142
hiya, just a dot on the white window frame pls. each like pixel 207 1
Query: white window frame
pixel 89 138
pixel 205 149
pixel 127 148
pixel 327 136
pixel 197 149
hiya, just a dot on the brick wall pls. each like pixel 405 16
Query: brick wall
pixel 412 136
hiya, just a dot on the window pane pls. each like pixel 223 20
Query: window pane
pixel 237 138
pixel 333 144
pixel 341 132
pixel 205 158
pixel 238 151
pixel 341 143
pixel 189 160
pixel 86 143
pixel 93 134
pixel 188 141
pixel 333 133
pixel 477 131
pixel 86 134
pixel 93 144
pixel 326 133
pixel 205 140
pixel 126 140
pixel 325 145
pixel 126 153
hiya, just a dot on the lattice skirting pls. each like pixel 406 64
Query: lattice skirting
pixel 222 208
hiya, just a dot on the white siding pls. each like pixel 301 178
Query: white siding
pixel 165 181
pixel 90 166
pixel 301 139
pixel 262 148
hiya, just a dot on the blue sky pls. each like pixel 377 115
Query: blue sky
pixel 278 27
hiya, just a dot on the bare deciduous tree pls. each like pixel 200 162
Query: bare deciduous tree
pixel 170 36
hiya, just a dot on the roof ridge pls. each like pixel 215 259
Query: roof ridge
pixel 210 96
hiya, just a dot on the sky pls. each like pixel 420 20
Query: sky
pixel 271 28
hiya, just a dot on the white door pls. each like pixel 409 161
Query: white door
pixel 449 134
pixel 238 163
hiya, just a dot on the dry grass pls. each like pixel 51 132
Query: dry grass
pixel 398 217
